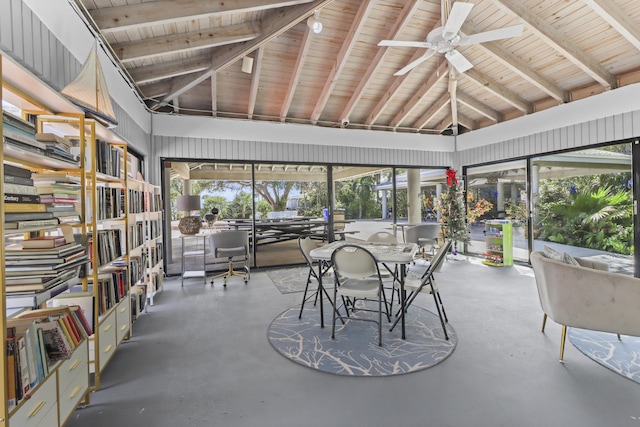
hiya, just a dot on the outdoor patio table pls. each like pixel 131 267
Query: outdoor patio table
pixel 385 253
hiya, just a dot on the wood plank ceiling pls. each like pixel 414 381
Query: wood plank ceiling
pixel 186 56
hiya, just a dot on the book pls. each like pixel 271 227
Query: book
pixel 44 356
pixel 52 137
pixel 40 260
pixel 17 171
pixel 25 207
pixel 21 198
pixel 10 179
pixel 12 368
pixel 27 216
pixel 66 332
pixel 25 382
pixel 55 341
pixel 36 223
pixel 81 299
pixel 33 354
pixel 44 242
pixel 20 189
pixel 16 249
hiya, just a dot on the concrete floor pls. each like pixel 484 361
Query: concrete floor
pixel 200 357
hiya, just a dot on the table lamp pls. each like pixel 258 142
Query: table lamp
pixel 189 224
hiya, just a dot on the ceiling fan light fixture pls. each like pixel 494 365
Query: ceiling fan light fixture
pixel 314 23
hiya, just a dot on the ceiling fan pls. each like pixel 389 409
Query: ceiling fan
pixel 445 39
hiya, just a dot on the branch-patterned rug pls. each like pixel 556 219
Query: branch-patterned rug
pixel 289 280
pixel 621 356
pixel 355 350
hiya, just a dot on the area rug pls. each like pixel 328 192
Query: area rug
pixel 289 280
pixel 355 350
pixel 621 356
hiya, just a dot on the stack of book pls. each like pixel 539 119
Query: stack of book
pixel 20 141
pixel 35 341
pixel 60 193
pixel 23 206
pixel 42 263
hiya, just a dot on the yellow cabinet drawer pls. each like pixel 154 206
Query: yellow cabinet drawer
pixel 72 394
pixel 106 340
pixel 70 368
pixel 37 408
pixel 123 314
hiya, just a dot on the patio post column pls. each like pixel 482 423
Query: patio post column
pixel 438 194
pixel 500 197
pixel 384 204
pixel 413 196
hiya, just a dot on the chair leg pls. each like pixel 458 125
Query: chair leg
pixel 444 327
pixel 380 315
pixel 544 321
pixel 562 341
pixel 304 297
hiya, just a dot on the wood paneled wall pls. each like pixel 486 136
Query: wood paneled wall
pixel 609 129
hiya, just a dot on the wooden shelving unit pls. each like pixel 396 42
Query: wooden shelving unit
pixel 61 385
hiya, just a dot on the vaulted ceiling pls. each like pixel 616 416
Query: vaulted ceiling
pixel 186 57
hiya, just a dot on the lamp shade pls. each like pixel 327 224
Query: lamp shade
pixel 188 203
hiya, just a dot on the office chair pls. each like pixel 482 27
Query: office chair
pixel 231 244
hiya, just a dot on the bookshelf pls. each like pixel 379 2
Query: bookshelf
pixel 52 341
pixel 108 239
pixel 498 236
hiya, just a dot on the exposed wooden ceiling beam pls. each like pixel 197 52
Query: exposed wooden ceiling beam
pixel 617 18
pixel 181 169
pixel 167 70
pixel 178 43
pixel 499 90
pixel 347 45
pixel 367 77
pixel 435 77
pixel 255 81
pixel 278 22
pixel 120 18
pixel 214 95
pixel 453 94
pixel 521 68
pixel 435 108
pixel 479 107
pixel 559 42
pixel 467 122
pixel 303 50
pixel 155 90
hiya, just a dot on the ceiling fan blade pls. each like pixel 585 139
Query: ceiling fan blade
pixel 399 43
pixel 458 61
pixel 410 66
pixel 487 36
pixel 458 15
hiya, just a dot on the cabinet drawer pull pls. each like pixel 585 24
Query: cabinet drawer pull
pixel 123 327
pixel 123 309
pixel 75 365
pixel 108 349
pixel 37 409
pixel 108 327
pixel 75 392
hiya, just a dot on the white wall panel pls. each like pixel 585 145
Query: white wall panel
pixel 6 33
